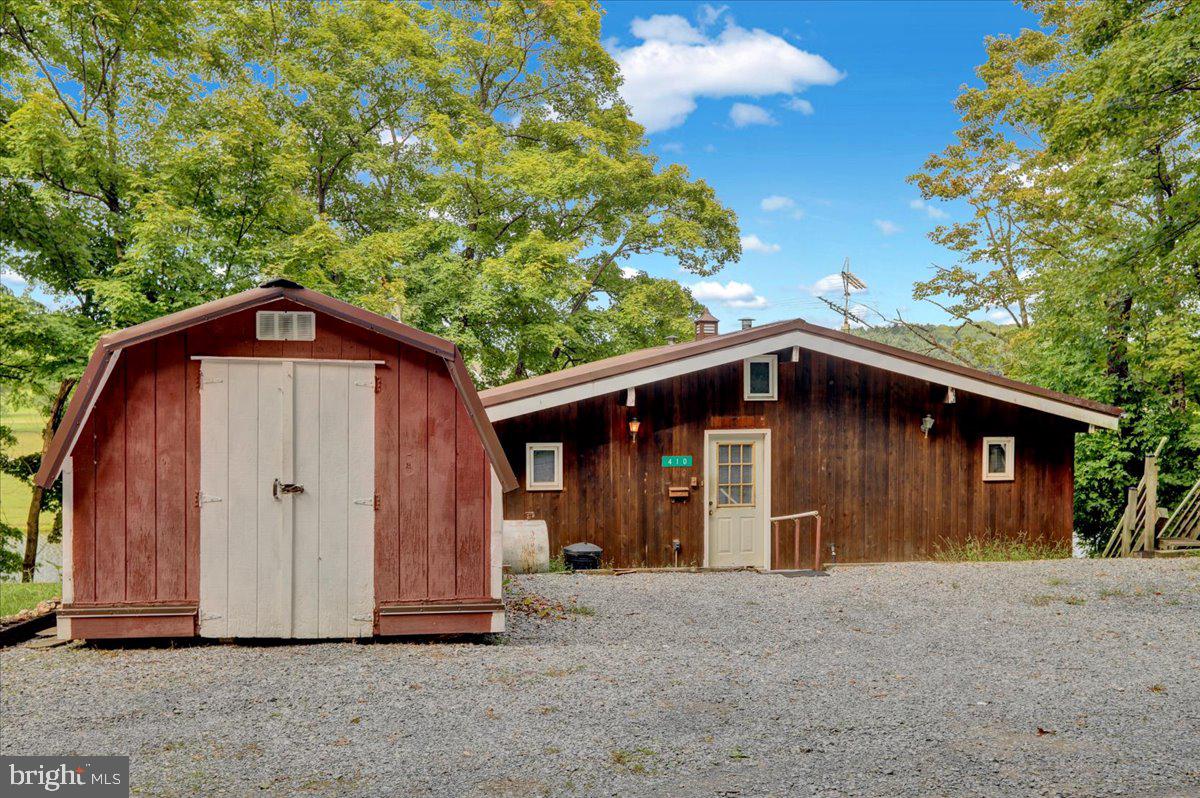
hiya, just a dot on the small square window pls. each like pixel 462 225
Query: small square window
pixel 543 466
pixel 998 455
pixel 761 377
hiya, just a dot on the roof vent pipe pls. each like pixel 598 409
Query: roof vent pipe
pixel 746 323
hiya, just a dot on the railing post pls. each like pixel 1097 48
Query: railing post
pixel 796 541
pixel 1151 520
pixel 1127 522
pixel 775 543
pixel 817 547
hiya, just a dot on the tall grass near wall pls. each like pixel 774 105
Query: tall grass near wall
pixel 991 548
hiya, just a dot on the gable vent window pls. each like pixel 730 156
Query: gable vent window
pixel 284 325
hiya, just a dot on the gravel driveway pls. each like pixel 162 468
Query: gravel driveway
pixel 1073 678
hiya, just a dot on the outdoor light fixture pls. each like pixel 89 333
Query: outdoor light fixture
pixel 926 424
pixel 634 426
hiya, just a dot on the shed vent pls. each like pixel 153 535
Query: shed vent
pixel 283 325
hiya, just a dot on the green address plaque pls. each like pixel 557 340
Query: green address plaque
pixel 677 461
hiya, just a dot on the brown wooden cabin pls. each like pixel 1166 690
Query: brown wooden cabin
pixel 277 463
pixel 682 454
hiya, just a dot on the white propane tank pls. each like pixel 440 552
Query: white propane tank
pixel 526 546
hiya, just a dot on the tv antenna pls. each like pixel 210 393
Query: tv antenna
pixel 850 284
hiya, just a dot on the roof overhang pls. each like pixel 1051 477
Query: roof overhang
pixel 923 369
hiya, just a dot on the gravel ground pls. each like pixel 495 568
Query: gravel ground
pixel 1054 678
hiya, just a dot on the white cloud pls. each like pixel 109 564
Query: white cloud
pixel 628 272
pixel 676 64
pixel 745 114
pixel 671 146
pixel 776 202
pixel 799 104
pixel 829 284
pixel 752 243
pixel 731 294
pixel 11 277
pixel 933 211
pixel 860 312
pixel 669 28
pixel 887 227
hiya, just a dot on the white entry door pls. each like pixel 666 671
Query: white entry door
pixel 737 499
pixel 287 484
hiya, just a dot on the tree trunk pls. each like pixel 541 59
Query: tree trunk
pixel 33 517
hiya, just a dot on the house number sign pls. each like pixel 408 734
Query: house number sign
pixel 677 461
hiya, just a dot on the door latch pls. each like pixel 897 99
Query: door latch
pixel 285 487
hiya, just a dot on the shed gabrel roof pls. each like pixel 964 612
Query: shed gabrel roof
pixel 109 347
pixel 662 362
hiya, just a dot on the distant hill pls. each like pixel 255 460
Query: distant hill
pixel 968 345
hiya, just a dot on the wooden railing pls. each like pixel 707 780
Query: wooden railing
pixel 795 519
pixel 1182 530
pixel 1137 531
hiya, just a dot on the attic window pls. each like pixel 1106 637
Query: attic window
pixel 286 325
pixel 761 377
pixel 998 460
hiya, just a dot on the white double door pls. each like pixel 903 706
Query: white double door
pixel 287 482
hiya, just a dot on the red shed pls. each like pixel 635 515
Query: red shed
pixel 277 463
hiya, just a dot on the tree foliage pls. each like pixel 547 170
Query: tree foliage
pixel 468 167
pixel 1078 158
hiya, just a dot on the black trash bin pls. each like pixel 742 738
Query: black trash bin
pixel 582 556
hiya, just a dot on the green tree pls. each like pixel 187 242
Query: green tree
pixel 1082 141
pixel 468 167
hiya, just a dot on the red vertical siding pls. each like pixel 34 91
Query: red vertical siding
pixel 136 536
pixel 83 515
pixel 443 400
pixel 412 495
pixel 110 488
pixel 170 431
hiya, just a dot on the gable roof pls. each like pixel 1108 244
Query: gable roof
pixel 109 347
pixel 661 362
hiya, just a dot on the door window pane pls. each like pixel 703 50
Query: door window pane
pixel 735 482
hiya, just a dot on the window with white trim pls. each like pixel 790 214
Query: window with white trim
pixel 998 457
pixel 543 466
pixel 760 378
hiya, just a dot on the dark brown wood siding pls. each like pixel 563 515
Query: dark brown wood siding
pixel 845 440
pixel 136 464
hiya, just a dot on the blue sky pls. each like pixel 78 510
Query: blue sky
pixel 806 118
pixel 819 109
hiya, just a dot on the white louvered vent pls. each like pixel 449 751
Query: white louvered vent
pixel 283 325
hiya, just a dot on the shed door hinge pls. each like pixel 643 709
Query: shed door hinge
pixel 372 502
pixel 376 384
pixel 209 616
pixel 204 498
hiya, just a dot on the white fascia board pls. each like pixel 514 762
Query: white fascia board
pixel 815 343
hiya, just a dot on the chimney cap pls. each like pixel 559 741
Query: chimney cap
pixel 747 323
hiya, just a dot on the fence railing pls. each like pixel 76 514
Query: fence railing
pixel 1137 532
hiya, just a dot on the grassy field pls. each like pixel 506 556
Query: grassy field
pixel 14 494
pixel 17 596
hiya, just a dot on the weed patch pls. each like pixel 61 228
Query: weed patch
pixel 990 548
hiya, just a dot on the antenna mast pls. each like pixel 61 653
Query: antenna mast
pixel 850 284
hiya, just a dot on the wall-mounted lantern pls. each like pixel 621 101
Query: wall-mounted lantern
pixel 926 424
pixel 634 426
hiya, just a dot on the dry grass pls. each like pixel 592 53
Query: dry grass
pixel 989 548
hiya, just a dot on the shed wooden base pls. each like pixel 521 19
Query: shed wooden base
pixel 116 627
pixel 441 618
